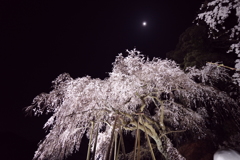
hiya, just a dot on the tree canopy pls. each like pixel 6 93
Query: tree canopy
pixel 153 96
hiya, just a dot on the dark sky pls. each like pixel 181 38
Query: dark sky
pixel 41 39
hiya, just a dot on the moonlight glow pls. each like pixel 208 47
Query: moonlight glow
pixel 144 23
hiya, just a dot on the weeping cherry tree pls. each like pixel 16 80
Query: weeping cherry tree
pixel 151 99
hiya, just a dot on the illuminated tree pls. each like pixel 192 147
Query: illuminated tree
pixel 154 99
pixel 223 20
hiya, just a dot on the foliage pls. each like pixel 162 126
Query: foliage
pixel 194 38
pixel 195 48
pixel 152 96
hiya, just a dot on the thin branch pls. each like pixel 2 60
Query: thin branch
pixel 122 143
pixel 171 132
pixel 109 151
pixel 90 141
pixel 222 65
pixel 136 139
pixel 95 145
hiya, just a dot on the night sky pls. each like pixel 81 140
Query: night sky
pixel 41 39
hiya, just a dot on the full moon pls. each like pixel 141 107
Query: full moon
pixel 144 23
